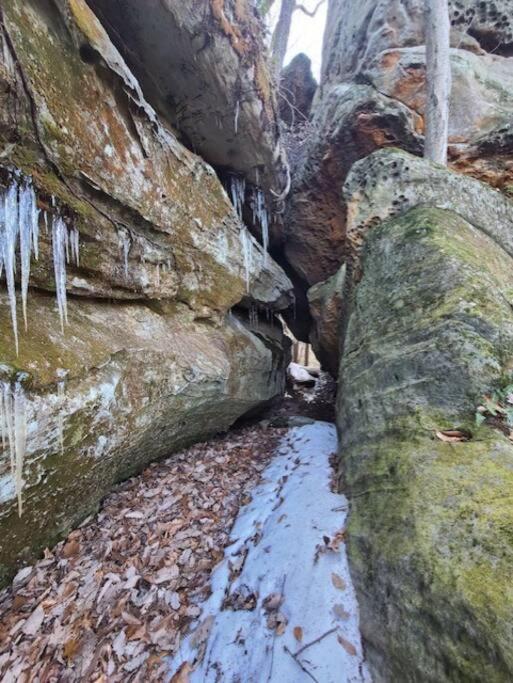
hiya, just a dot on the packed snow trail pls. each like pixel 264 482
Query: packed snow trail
pixel 282 609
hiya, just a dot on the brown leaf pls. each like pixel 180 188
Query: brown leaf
pixel 338 581
pixel 70 648
pixel 348 647
pixel 182 675
pixel 340 612
pixel 298 633
pixel 71 548
pixel 452 435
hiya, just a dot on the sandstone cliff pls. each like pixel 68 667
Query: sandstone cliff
pixel 130 349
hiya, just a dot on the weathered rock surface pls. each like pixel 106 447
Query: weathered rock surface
pixel 391 181
pixel 357 33
pixel 87 136
pixel 352 122
pixel 430 540
pixel 327 306
pixel 481 105
pixel 138 383
pixel 297 90
pixel 204 67
pixel 151 358
pixel 371 96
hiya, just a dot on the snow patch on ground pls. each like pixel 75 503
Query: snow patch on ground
pixel 284 582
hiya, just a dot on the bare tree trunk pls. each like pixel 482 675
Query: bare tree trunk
pixel 438 80
pixel 281 35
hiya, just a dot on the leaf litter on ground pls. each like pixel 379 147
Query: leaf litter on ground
pixel 112 601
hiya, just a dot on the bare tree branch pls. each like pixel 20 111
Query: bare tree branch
pixel 310 12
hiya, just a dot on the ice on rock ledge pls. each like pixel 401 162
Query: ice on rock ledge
pixel 19 238
pixel 13 426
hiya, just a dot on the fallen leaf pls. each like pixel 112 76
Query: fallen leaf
pixel 348 647
pixel 70 648
pixel 34 622
pixel 272 602
pixel 298 633
pixel 71 548
pixel 338 581
pixel 182 675
pixel 452 436
pixel 340 612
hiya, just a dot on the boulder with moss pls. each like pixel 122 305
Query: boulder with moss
pixel 430 542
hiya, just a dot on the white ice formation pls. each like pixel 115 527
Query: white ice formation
pixel 19 241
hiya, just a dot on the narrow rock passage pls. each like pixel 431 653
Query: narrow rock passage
pixel 282 607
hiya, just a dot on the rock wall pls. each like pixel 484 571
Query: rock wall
pixel 137 241
pixel 372 95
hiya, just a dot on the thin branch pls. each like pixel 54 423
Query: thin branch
pixel 301 666
pixel 310 12
pixel 313 642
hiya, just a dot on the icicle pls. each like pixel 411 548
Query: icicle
pixel 157 276
pixel 247 252
pixel 59 239
pixel 236 118
pixel 261 215
pixel 125 244
pixel 29 237
pixel 45 221
pixel 60 424
pixel 238 191
pixel 14 430
pixel 3 423
pixel 9 236
pixel 20 435
pixel 74 241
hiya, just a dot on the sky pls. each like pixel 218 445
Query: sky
pixel 306 34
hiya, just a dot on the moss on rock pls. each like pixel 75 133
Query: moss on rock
pixel 430 532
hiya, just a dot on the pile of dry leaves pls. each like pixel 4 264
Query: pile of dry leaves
pixel 113 600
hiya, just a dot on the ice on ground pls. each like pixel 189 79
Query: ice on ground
pixel 283 608
pixel 298 373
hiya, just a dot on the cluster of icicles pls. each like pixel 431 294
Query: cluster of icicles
pixel 260 216
pixel 19 233
pixel 19 242
pixel 13 427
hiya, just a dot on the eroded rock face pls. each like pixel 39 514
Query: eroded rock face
pixel 358 32
pixel 352 122
pixel 75 118
pixel 151 358
pixel 390 181
pixel 429 536
pixel 297 90
pixel 327 302
pixel 203 65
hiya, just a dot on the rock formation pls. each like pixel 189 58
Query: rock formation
pixel 430 334
pixel 297 90
pixel 408 266
pixel 372 95
pixel 140 248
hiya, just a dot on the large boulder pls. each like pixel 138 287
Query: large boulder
pixel 141 250
pixel 372 95
pixel 430 333
pixel 203 65
pixel 154 219
pixel 391 181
